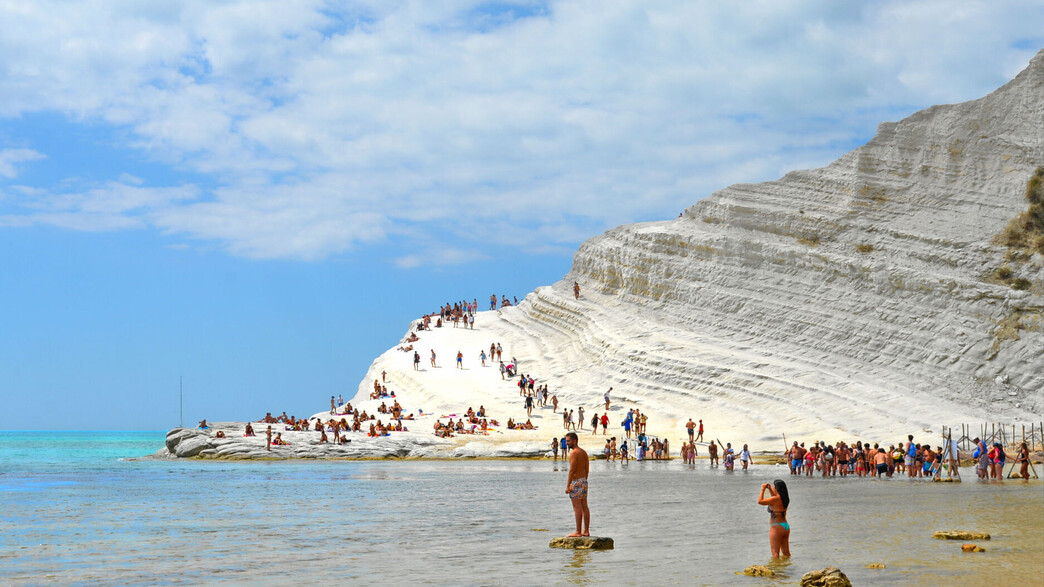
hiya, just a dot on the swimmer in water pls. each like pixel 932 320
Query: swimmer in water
pixel 779 529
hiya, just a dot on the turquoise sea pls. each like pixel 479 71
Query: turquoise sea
pixel 82 508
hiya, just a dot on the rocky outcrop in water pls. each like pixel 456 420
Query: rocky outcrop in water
pixel 582 542
pixel 828 577
pixel 191 442
pixel 961 535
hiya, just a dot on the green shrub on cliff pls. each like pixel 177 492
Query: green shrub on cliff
pixel 1026 231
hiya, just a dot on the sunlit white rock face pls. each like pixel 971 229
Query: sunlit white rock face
pixel 853 302
pixel 758 310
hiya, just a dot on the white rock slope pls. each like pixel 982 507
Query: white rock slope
pixel 850 302
pixel 757 307
pixel 853 301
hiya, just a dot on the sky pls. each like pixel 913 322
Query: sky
pixel 250 201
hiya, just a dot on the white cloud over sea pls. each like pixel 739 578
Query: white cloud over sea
pixel 319 126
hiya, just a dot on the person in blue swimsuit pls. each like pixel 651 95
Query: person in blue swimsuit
pixel 779 529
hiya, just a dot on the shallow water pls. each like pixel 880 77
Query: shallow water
pixel 72 511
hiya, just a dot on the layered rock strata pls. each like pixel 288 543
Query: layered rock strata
pixel 834 302
pixel 853 302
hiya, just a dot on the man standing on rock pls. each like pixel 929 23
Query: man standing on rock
pixel 268 438
pixel 576 485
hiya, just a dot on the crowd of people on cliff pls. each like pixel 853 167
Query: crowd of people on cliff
pixel 477 423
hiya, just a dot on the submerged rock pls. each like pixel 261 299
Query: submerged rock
pixel 758 571
pixel 828 577
pixel 582 542
pixel 875 566
pixel 960 535
pixel 972 548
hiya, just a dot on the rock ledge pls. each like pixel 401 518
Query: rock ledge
pixel 582 542
pixel 960 535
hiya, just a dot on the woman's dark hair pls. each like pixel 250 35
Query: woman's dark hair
pixel 784 495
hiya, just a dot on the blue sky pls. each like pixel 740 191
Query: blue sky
pixel 258 196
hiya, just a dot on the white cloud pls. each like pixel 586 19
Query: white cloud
pixel 112 206
pixel 458 124
pixel 10 158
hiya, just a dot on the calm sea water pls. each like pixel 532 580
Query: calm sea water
pixel 74 510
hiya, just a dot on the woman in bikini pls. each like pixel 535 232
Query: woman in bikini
pixel 1023 459
pixel 779 530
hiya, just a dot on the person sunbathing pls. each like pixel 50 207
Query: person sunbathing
pixel 529 425
pixel 203 424
pixel 279 440
pixel 219 434
pixel 249 430
pixel 510 424
pixel 322 437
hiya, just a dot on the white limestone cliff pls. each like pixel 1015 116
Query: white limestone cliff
pixel 849 302
pixel 757 307
pixel 852 302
